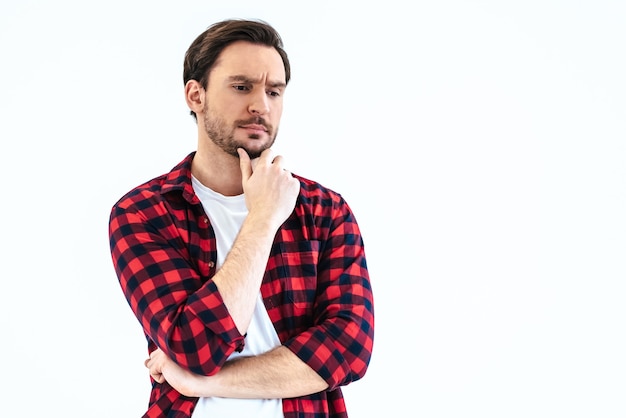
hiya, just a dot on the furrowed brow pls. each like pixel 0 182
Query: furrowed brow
pixel 246 79
pixel 241 79
pixel 278 84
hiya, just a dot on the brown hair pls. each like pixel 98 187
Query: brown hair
pixel 205 49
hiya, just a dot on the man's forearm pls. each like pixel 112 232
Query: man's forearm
pixel 239 279
pixel 276 374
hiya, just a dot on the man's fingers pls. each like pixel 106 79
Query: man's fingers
pixel 244 163
pixel 152 368
pixel 278 161
pixel 158 377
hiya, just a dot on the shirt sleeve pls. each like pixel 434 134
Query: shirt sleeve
pixel 181 312
pixel 339 345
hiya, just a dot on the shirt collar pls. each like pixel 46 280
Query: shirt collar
pixel 179 179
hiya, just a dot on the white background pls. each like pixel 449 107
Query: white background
pixel 481 145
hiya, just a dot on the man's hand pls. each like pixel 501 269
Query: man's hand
pixel 270 190
pixel 162 369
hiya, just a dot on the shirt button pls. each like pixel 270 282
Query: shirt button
pixel 211 264
pixel 205 220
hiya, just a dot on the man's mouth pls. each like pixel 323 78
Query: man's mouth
pixel 254 127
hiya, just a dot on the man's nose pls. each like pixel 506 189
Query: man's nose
pixel 259 104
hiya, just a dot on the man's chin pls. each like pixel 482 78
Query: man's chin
pixel 254 150
pixel 255 153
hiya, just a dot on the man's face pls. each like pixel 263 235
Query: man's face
pixel 244 98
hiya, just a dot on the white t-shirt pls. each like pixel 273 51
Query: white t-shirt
pixel 226 214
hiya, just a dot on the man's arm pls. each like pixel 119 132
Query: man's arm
pixel 333 352
pixel 335 348
pixel 271 194
pixel 199 323
pixel 276 374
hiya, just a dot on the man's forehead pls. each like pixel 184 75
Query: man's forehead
pixel 250 60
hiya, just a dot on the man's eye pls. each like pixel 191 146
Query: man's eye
pixel 273 93
pixel 241 88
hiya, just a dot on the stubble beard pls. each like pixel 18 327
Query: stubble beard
pixel 223 136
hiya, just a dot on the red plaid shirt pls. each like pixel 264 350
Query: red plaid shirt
pixel 316 288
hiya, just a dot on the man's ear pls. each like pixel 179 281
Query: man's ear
pixel 194 96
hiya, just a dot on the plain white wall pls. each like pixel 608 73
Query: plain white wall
pixel 481 145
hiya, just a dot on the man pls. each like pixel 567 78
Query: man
pixel 250 282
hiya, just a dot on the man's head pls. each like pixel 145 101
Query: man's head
pixel 235 75
pixel 206 48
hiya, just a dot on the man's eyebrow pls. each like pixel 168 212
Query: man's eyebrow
pixel 246 79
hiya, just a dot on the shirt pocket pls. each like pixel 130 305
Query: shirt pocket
pixel 297 267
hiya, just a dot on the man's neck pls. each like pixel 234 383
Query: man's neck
pixel 218 171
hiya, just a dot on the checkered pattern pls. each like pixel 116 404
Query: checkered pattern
pixel 316 288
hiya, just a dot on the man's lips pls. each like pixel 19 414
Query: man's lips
pixel 254 128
